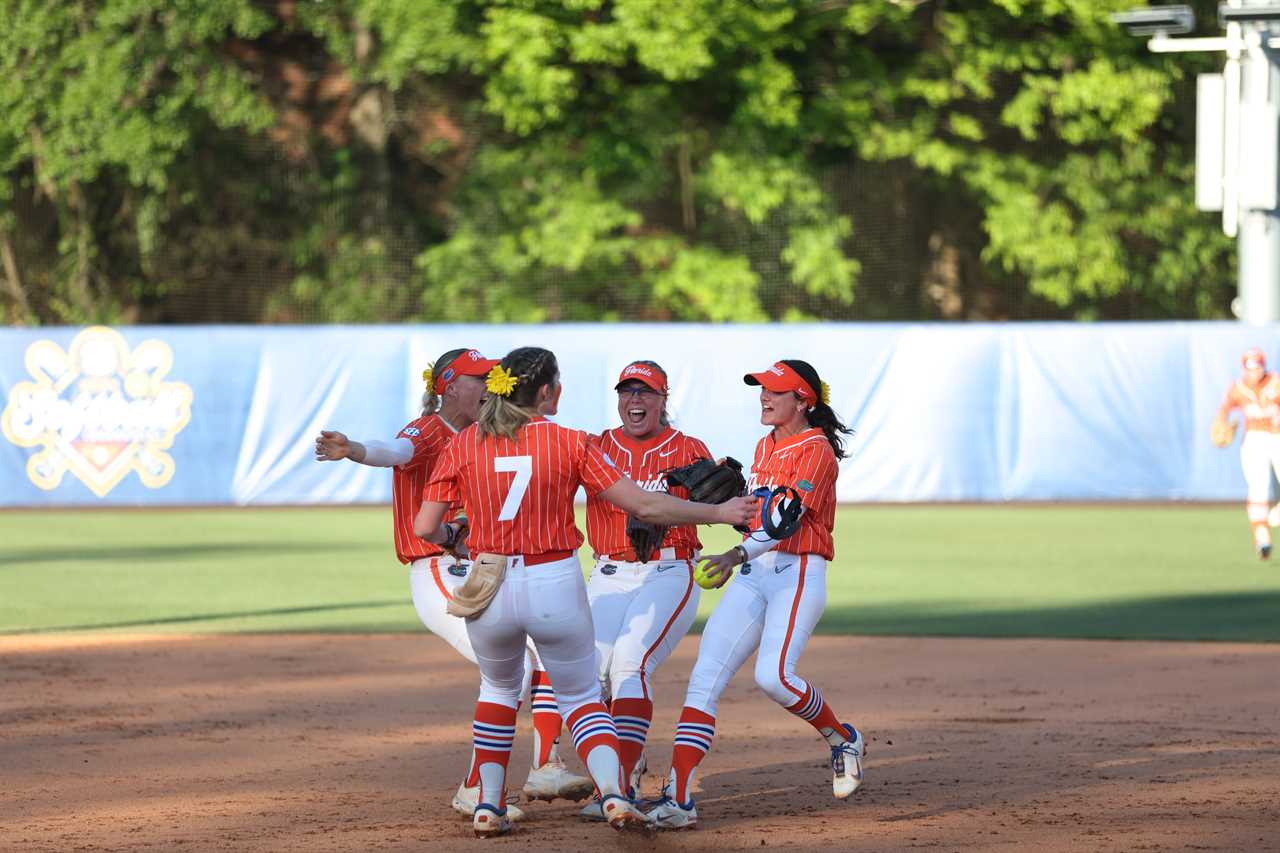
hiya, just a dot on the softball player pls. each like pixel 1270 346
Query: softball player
pixel 516 473
pixel 1257 395
pixel 451 401
pixel 641 606
pixel 779 595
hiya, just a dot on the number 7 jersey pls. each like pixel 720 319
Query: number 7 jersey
pixel 518 494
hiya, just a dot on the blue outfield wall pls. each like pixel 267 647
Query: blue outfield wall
pixel 227 414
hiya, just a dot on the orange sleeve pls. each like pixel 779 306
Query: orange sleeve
pixel 815 477
pixel 594 470
pixel 443 485
pixel 425 443
pixel 696 449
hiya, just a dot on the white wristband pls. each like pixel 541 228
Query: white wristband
pixel 757 543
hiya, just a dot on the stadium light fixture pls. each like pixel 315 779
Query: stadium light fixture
pixel 1157 20
pixel 1259 13
pixel 1237 134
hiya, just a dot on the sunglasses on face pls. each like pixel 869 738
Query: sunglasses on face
pixel 641 391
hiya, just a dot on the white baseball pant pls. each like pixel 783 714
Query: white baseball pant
pixel 546 603
pixel 1260 461
pixel 432 581
pixel 640 611
pixel 771 608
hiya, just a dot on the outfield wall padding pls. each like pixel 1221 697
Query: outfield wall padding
pixel 984 412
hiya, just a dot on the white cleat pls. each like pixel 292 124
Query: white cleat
pixel 553 780
pixel 623 816
pixel 593 811
pixel 488 822
pixel 466 799
pixel 669 815
pixel 637 775
pixel 846 764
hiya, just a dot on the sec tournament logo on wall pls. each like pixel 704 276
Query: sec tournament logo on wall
pixel 98 410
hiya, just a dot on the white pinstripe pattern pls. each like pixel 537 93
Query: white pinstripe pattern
pixel 562 460
pixel 805 456
pixel 606 523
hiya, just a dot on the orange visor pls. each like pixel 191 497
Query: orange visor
pixel 782 378
pixel 470 363
pixel 637 372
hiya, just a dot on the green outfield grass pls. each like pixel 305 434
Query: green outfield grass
pixel 1175 572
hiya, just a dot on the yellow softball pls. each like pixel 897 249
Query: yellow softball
pixel 700 575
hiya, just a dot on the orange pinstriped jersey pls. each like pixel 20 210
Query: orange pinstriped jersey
pixel 806 463
pixel 430 435
pixel 1261 405
pixel 519 494
pixel 644 462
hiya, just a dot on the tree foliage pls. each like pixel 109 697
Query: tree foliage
pixel 548 160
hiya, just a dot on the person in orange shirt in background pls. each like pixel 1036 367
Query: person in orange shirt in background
pixel 781 589
pixel 450 402
pixel 1257 395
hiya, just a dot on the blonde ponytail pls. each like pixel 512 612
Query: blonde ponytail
pixel 513 390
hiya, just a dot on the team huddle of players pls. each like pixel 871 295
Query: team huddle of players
pixel 484 486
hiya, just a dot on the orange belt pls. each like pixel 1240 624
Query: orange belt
pixel 546 557
pixel 629 556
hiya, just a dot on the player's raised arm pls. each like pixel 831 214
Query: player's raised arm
pixel 332 445
pixel 661 508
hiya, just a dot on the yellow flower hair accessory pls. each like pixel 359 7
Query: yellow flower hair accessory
pixel 427 375
pixel 826 393
pixel 500 381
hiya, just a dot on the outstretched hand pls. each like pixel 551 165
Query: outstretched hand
pixel 739 511
pixel 332 446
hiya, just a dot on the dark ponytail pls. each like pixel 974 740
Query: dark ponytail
pixel 821 415
pixel 824 418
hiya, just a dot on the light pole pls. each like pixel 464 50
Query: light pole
pixel 1237 135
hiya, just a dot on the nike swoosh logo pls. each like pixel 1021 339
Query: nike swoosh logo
pixel 777 570
pixel 668 452
pixel 662 567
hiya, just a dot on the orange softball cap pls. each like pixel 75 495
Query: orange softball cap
pixel 649 375
pixel 781 378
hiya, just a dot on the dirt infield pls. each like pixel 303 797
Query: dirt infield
pixel 316 743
